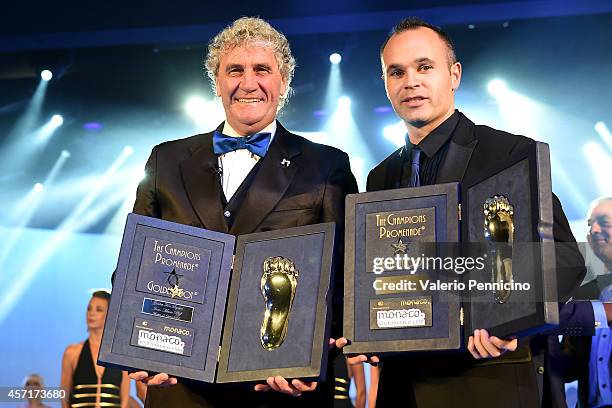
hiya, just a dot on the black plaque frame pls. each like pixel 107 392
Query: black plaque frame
pixel 316 369
pixel 453 338
pixel 546 314
pixel 108 357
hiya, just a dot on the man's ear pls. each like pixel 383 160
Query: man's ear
pixel 455 71
pixel 283 87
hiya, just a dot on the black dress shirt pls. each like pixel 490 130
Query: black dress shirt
pixel 434 147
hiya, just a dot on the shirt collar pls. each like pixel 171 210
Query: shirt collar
pixel 434 141
pixel 271 128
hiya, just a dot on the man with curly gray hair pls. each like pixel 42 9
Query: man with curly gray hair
pixel 249 31
pixel 249 175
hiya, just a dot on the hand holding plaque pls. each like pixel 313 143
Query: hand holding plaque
pixel 169 305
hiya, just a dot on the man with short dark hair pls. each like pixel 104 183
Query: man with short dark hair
pixel 421 74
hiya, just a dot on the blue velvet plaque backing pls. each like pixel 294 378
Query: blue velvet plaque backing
pixel 515 182
pixel 246 352
pixel 303 353
pixel 363 283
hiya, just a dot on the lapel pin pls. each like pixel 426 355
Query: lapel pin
pixel 285 163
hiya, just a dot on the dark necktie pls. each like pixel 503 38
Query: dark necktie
pixel 256 144
pixel 415 155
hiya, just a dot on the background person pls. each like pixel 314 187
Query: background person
pixel 587 358
pixel 86 382
pixel 35 383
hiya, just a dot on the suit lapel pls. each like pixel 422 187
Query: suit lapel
pixel 459 153
pixel 270 183
pixel 201 180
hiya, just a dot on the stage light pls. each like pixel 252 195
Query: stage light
pixel 396 133
pixel 44 133
pixel 604 133
pixel 57 120
pixel 195 106
pixel 205 113
pixel 601 163
pixel 383 109
pixel 128 150
pixel 335 58
pixel 16 144
pixel 46 75
pixel 92 126
pixel 38 187
pixel 497 87
pixel 344 102
pixel 65 154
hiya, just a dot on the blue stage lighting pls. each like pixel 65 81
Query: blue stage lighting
pixel 605 134
pixel 46 75
pixel 57 120
pixel 335 58
pixel 344 102
pixel 497 87
pixel 38 187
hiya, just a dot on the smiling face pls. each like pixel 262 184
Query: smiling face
pixel 96 313
pixel 250 86
pixel 418 80
pixel 600 231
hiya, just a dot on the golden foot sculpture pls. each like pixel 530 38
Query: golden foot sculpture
pixel 278 285
pixel 499 232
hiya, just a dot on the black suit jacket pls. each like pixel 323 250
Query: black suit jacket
pixel 183 185
pixel 521 378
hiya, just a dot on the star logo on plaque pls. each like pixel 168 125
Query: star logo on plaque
pixel 176 291
pixel 173 281
pixel 399 247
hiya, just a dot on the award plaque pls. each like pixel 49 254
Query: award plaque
pixel 425 266
pixel 169 301
pixel 278 316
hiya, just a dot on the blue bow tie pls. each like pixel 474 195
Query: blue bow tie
pixel 256 144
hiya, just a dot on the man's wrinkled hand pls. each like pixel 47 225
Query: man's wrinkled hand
pixel 161 379
pixel 280 384
pixel 481 345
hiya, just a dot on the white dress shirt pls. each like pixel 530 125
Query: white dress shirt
pixel 236 165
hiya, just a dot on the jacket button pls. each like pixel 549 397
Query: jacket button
pixel 227 214
pixel 540 370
